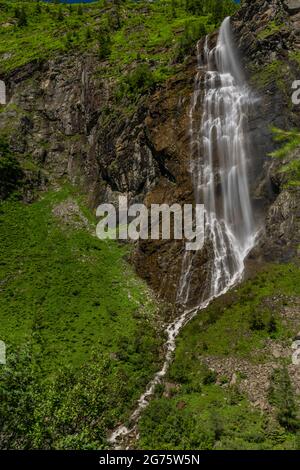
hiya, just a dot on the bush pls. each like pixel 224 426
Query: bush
pixel 257 321
pixel 281 395
pixel 10 170
pixel 72 410
pixel 20 14
pixel 216 424
pixel 104 42
pixel 210 377
pixel 272 325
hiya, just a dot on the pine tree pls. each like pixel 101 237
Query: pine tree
pixel 20 14
pixel 60 15
pixel 281 394
pixel 104 42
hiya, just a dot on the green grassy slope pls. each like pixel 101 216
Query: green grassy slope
pixel 66 296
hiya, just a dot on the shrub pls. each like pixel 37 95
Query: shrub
pixel 272 325
pixel 10 170
pixel 104 42
pixel 192 33
pixel 210 377
pixel 281 395
pixel 216 425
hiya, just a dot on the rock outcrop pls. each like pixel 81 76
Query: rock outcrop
pixel 268 37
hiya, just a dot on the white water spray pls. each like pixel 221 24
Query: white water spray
pixel 219 167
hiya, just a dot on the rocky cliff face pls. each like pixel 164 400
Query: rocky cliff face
pixel 65 119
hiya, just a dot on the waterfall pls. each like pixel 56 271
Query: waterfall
pixel 219 169
pixel 220 165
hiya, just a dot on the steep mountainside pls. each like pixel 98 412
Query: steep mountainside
pixel 72 127
pixel 98 106
pixel 268 37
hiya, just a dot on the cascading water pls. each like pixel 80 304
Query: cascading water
pixel 219 164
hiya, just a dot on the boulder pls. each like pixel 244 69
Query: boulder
pixel 293 6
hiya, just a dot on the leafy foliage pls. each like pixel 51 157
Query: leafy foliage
pixel 192 32
pixel 83 323
pixel 10 170
pixel 282 396
pixel 71 410
pixel 206 412
pixel 290 141
pixel 140 81
pixel 117 30
pixel 104 44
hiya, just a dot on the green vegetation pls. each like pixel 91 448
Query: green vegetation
pixel 226 326
pixel 276 72
pixel 136 42
pixel 192 32
pixel 104 43
pixel 206 412
pixel 295 56
pixel 210 419
pixel 78 325
pixel 290 141
pixel 273 27
pixel 80 328
pixel 10 170
pixel 141 80
pixel 119 31
pixel 281 395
